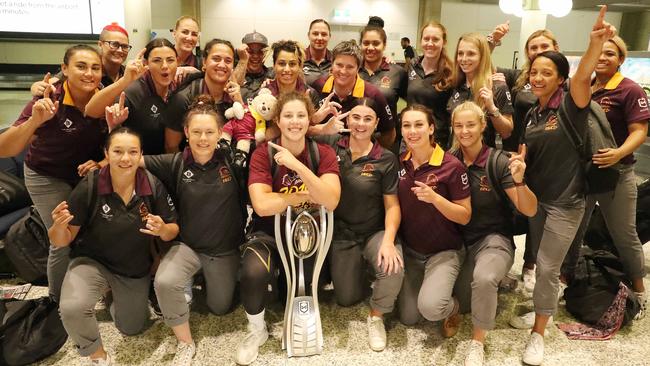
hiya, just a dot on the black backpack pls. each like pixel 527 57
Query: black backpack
pixel 27 247
pixel 519 222
pixel 31 330
pixel 595 287
pixel 599 136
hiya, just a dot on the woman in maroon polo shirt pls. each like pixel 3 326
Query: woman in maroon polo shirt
pixel 626 106
pixel 494 179
pixel 434 197
pixel 296 180
pixel 63 143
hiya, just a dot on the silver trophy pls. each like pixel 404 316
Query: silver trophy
pixel 303 334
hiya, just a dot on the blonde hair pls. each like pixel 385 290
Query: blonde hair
pixel 525 70
pixel 442 80
pixel 466 106
pixel 183 17
pixel 483 77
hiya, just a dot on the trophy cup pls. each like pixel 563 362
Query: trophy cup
pixel 303 334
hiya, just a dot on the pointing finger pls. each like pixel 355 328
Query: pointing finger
pixel 121 101
pixel 276 146
pixel 140 55
pixel 47 78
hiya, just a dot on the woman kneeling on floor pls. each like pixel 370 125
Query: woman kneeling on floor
pixel 494 179
pixel 111 231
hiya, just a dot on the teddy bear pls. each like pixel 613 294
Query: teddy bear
pixel 248 123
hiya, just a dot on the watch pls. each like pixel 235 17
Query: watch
pixel 490 40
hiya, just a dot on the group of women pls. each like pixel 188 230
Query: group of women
pixel 433 225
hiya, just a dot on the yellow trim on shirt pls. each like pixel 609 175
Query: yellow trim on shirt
pixel 67 96
pixel 436 158
pixel 357 92
pixel 614 81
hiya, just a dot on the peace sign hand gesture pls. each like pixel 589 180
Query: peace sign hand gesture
pixel 335 125
pixel 326 108
pixel 116 114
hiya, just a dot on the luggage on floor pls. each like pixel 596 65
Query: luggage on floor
pixel 31 331
pixel 596 286
pixel 27 247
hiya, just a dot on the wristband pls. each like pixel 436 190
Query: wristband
pixel 490 40
pixel 496 113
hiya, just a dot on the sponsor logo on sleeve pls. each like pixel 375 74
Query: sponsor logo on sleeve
pixel 401 173
pixel 508 96
pixel 388 111
pixel 170 202
pixel 643 104
pixel 464 179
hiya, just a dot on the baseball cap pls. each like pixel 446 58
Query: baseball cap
pixel 255 37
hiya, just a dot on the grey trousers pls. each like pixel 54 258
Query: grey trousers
pixel 428 285
pixel 46 193
pixel 487 262
pixel 552 230
pixel 347 269
pixel 619 211
pixel 85 282
pixel 178 266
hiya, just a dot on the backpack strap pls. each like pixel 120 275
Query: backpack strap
pixel 572 133
pixel 154 192
pixel 91 197
pixel 177 165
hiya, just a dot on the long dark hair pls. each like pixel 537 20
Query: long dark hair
pixel 157 43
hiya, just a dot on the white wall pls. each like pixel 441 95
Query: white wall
pixel 164 14
pixel 572 31
pixel 289 19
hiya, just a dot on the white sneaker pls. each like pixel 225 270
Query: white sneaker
pixel 475 354
pixel 528 275
pixel 527 321
pixel 184 354
pixel 376 333
pixel 108 361
pixel 534 352
pixel 643 305
pixel 250 346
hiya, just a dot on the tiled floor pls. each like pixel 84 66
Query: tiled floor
pixel 346 340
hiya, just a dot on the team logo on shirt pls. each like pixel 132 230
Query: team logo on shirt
pixel 292 183
pixel 388 111
pixel 144 212
pixel 432 181
pixel 528 86
pixel 154 111
pixel 188 176
pixel 412 75
pixel 456 96
pixel 484 186
pixel 367 170
pixel 106 212
pixel 385 82
pixel 551 123
pixel 643 104
pixel 401 174
pixel 605 104
pixel 508 95
pixel 68 125
pixel 464 178
pixel 225 175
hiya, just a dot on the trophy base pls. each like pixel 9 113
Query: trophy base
pixel 303 335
